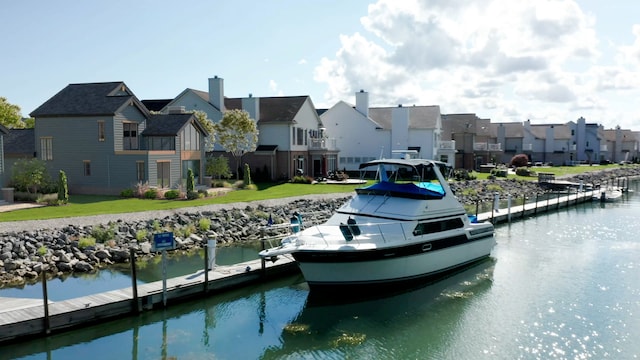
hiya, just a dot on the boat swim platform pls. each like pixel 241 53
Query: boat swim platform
pixel 22 318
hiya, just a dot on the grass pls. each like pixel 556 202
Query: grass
pixel 85 205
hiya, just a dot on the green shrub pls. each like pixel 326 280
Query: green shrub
pixel 156 225
pixel 463 174
pixel 86 241
pixel 192 195
pixel 204 224
pixel 172 194
pixel 141 235
pixel 523 171
pixel 42 250
pixel 102 234
pixel 127 193
pixel 190 181
pixel 469 192
pixel 151 194
pixel 494 188
pixel 63 188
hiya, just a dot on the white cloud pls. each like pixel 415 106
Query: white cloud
pixel 508 60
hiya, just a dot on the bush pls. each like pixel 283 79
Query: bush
pixel 127 193
pixel 192 195
pixel 141 235
pixel 523 171
pixel 520 160
pixel 190 181
pixel 499 172
pixel 86 241
pixel 63 188
pixel 218 167
pixel 31 176
pixel 101 234
pixel 302 179
pixel 204 224
pixel 463 174
pixel 150 194
pixel 172 194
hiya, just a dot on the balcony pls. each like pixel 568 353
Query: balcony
pixel 326 144
pixel 603 148
pixel 487 147
pixel 447 145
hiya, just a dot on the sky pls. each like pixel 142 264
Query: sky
pixel 549 61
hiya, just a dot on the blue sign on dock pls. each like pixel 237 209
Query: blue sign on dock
pixel 163 241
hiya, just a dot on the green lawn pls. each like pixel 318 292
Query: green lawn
pixel 84 205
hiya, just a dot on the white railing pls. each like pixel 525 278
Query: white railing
pixel 447 145
pixel 480 146
pixel 322 144
pixel 527 147
pixel 495 147
pixel 603 148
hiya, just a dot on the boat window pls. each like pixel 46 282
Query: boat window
pixel 437 226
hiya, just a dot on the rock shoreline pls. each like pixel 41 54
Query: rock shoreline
pixel 58 246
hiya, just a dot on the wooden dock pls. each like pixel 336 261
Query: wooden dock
pixel 22 318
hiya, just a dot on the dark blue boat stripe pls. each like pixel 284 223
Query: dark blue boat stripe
pixel 345 256
pixel 403 219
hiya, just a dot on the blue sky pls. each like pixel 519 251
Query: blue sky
pixel 550 61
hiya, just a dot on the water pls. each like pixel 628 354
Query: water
pixel 560 286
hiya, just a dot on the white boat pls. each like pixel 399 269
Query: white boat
pixel 407 226
pixel 608 194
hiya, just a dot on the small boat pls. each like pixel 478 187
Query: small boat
pixel 608 194
pixel 406 226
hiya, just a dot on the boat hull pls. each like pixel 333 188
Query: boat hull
pixel 388 266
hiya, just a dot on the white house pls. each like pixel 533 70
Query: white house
pixel 364 133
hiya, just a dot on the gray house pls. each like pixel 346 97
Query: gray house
pixel 106 140
pixel 3 168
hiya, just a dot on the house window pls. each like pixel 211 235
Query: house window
pixel 293 135
pixel 46 148
pixel 86 165
pixel 190 138
pixel 130 136
pixel 164 171
pixel 140 170
pixel 161 143
pixel 100 130
pixel 299 136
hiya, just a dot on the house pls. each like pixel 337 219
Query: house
pixel 4 176
pixel 364 133
pixel 291 136
pixel 106 140
pixel 510 135
pixel 18 144
pixel 474 139
pixel 547 143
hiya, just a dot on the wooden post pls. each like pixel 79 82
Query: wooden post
pixel 524 202
pixel 535 208
pixel 45 296
pixel 134 280
pixel 206 268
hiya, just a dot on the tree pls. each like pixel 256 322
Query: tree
pixel 63 188
pixel 190 181
pixel 30 175
pixel 218 167
pixel 208 125
pixel 237 133
pixel 520 160
pixel 10 115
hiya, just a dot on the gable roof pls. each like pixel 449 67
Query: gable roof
pixel 90 99
pixel 156 105
pixel 420 117
pixel 168 124
pixel 3 129
pixel 281 109
pixel 20 142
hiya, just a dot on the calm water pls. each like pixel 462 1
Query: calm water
pixel 559 286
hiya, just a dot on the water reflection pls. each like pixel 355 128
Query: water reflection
pixel 274 320
pixel 330 322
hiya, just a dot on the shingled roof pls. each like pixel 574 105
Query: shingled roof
pixel 272 109
pixel 90 99
pixel 420 117
pixel 167 125
pixel 20 142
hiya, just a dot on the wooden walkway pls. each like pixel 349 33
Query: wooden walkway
pixel 21 318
